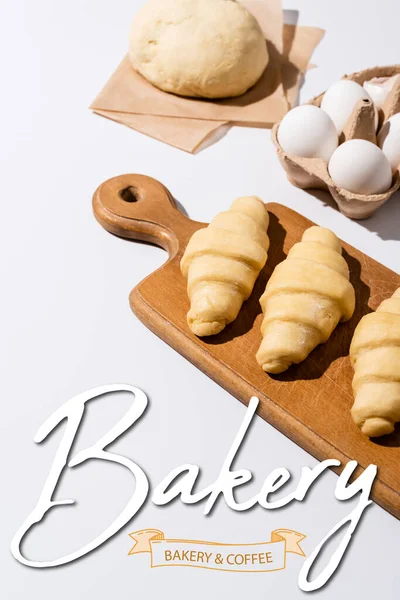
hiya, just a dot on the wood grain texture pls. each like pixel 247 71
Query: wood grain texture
pixel 311 402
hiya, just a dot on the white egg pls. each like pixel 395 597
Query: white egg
pixel 379 89
pixel 340 100
pixel 389 140
pixel 307 131
pixel 360 167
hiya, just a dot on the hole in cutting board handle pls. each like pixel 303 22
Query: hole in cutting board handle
pixel 139 207
pixel 130 194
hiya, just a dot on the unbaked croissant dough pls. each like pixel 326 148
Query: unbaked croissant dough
pixel 222 263
pixel 305 298
pixel 375 355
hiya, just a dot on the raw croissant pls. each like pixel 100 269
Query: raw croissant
pixel 375 355
pixel 305 298
pixel 222 263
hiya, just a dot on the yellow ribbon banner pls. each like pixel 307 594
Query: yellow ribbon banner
pixel 246 558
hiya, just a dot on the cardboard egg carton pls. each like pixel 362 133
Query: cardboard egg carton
pixel 312 173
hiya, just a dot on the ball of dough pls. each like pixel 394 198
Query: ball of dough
pixel 203 48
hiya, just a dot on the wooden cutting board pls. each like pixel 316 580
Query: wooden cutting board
pixel 311 402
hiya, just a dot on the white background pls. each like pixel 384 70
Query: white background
pixel 67 326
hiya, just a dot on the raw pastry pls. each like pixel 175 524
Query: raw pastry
pixel 222 263
pixel 205 48
pixel 305 298
pixel 375 355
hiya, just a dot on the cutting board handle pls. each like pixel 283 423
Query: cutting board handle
pixel 139 207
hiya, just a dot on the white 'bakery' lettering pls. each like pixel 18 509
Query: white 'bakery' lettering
pixel 181 481
pixel 73 411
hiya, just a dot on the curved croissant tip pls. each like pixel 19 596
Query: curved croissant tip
pixel 276 366
pixel 377 426
pixel 205 328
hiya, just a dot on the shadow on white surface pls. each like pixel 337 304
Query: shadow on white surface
pixel 385 222
pixel 291 17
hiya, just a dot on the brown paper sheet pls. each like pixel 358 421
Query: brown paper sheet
pixel 185 123
pixel 299 43
pixel 185 134
pixel 127 91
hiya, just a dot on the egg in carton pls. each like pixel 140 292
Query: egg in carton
pixel 312 173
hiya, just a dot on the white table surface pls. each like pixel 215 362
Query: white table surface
pixel 67 326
